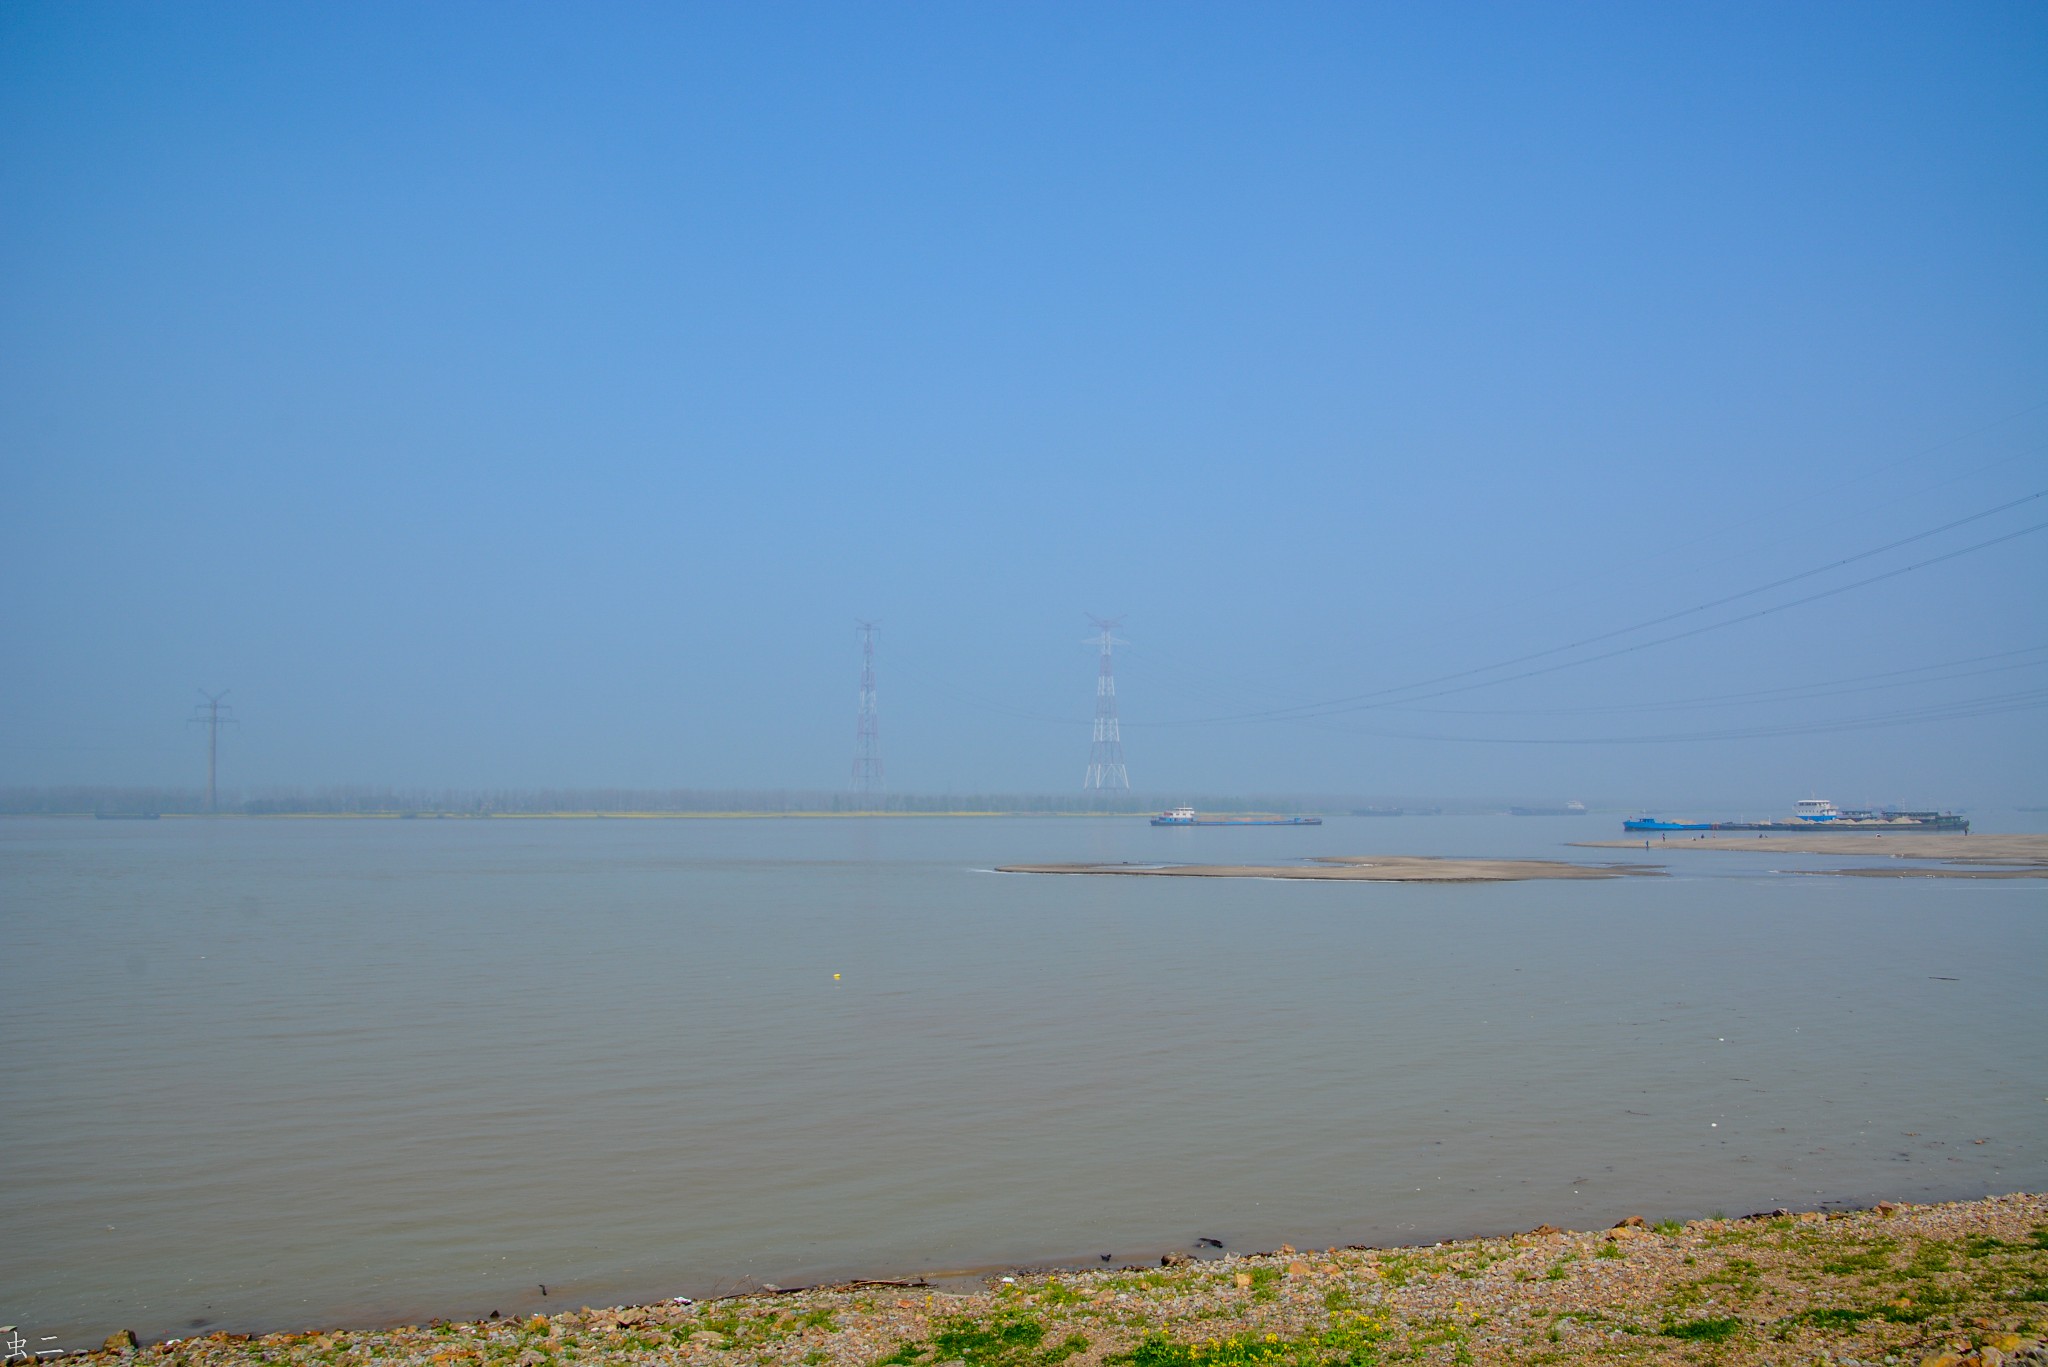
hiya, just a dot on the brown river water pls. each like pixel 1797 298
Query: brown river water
pixel 280 1074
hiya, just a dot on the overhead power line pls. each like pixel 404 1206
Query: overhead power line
pixel 1953 710
pixel 1831 688
pixel 1729 622
pixel 1392 696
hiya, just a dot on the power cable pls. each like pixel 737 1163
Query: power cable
pixel 1359 701
pixel 1866 474
pixel 1961 709
pixel 1790 693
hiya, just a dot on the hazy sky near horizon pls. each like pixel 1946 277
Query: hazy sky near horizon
pixel 529 395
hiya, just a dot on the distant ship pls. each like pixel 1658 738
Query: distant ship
pixel 1569 809
pixel 1817 813
pixel 1185 816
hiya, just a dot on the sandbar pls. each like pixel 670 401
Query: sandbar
pixel 1366 868
pixel 1959 856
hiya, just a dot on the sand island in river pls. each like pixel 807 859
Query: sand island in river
pixel 1366 868
pixel 1955 856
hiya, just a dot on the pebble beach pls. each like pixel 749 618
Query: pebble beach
pixel 1962 1284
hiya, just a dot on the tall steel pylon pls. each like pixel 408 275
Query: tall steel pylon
pixel 867 742
pixel 208 715
pixel 1106 752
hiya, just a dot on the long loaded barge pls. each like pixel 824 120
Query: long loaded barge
pixel 1819 814
pixel 1185 816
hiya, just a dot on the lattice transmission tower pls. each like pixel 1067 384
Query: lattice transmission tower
pixel 1106 752
pixel 867 736
pixel 208 715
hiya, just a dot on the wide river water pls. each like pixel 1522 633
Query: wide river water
pixel 261 1074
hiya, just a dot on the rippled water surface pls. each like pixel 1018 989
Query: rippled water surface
pixel 265 1074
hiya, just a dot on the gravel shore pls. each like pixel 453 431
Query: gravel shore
pixel 1949 1284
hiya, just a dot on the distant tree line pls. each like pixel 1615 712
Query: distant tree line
pixel 77 801
pixel 88 801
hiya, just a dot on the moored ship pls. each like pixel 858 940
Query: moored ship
pixel 1819 814
pixel 1185 816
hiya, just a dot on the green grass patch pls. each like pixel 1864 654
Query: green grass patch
pixel 1474 1266
pixel 1146 1281
pixel 1839 1318
pixel 1704 1331
pixel 1437 1335
pixel 1009 1339
pixel 1265 1283
pixel 1928 1259
pixel 1876 1258
pixel 1399 1270
pixel 1738 1275
pixel 1350 1343
pixel 1669 1228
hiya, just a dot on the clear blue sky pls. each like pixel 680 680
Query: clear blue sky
pixel 500 394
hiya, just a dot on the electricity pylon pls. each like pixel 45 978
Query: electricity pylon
pixel 208 715
pixel 1106 752
pixel 867 743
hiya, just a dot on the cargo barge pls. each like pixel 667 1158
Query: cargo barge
pixel 1185 816
pixel 1819 814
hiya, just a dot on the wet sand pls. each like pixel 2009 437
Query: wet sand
pixel 1367 868
pixel 1958 856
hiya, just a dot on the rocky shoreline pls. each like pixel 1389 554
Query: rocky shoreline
pixel 1960 1284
